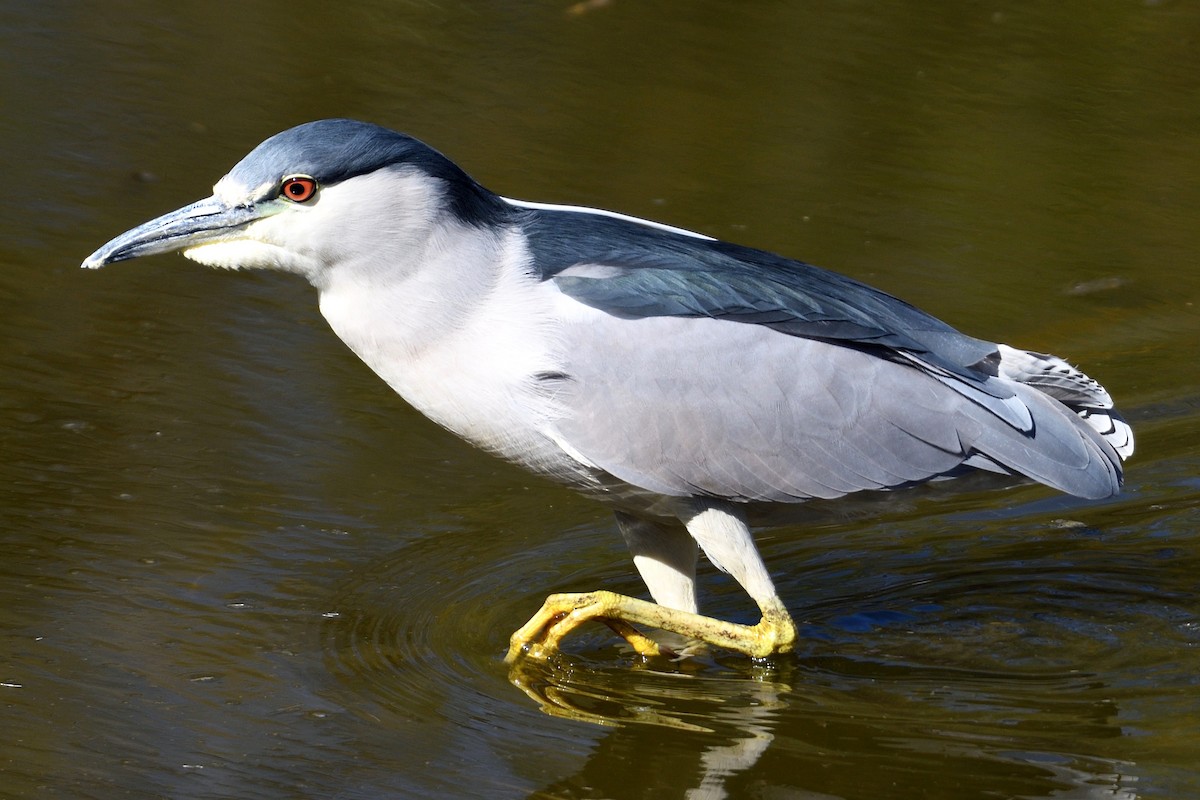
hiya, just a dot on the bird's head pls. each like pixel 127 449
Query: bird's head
pixel 315 196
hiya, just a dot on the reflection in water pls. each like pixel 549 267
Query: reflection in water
pixel 725 726
pixel 722 726
pixel 732 718
pixel 564 688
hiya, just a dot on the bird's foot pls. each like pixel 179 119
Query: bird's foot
pixel 539 638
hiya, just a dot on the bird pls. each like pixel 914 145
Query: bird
pixel 693 385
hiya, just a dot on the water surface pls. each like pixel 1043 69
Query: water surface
pixel 235 565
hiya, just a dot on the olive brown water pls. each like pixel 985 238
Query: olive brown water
pixel 236 565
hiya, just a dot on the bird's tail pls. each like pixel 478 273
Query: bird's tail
pixel 1071 387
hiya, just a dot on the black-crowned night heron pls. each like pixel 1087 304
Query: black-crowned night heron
pixel 690 383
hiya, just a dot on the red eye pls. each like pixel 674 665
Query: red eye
pixel 298 188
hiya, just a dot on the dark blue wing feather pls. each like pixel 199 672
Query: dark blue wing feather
pixel 654 272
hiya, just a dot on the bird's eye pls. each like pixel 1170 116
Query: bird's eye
pixel 298 188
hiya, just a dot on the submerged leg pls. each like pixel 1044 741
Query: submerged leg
pixel 724 537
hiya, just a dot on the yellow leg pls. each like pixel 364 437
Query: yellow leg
pixel 562 613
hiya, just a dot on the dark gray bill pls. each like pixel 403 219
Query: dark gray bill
pixel 206 220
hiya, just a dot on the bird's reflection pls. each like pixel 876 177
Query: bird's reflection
pixel 735 717
pixel 700 730
pixel 658 692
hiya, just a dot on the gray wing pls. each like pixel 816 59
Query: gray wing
pixel 685 406
pixel 727 371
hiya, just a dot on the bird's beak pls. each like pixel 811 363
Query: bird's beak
pixel 203 222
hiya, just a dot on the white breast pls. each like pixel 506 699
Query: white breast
pixel 461 336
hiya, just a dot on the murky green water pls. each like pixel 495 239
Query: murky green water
pixel 235 565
